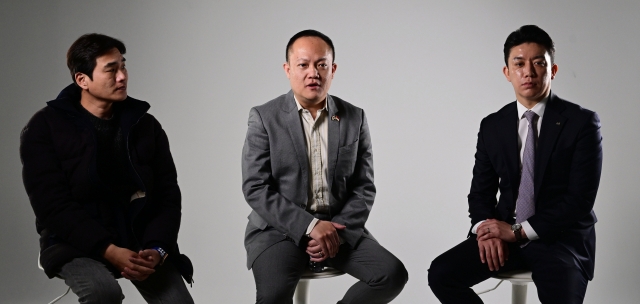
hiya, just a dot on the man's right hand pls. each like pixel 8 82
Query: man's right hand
pixel 494 252
pixel 121 259
pixel 326 236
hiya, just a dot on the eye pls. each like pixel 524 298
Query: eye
pixel 323 65
pixel 519 64
pixel 302 65
pixel 541 63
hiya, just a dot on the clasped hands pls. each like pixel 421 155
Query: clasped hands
pixel 492 236
pixel 132 266
pixel 324 242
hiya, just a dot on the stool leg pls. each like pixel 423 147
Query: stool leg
pixel 519 293
pixel 301 295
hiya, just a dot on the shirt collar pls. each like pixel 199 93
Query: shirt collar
pixel 538 108
pixel 325 108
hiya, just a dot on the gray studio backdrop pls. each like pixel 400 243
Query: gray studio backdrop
pixel 425 72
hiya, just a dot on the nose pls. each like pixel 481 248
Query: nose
pixel 121 75
pixel 315 73
pixel 529 70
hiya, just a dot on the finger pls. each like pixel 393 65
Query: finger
pixel 142 262
pixel 126 276
pixel 501 255
pixel 312 243
pixel 494 258
pixel 142 270
pixel 338 226
pixel 481 250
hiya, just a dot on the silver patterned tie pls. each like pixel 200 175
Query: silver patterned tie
pixel 525 204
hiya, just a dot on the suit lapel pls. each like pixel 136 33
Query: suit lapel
pixel 508 132
pixel 333 140
pixel 294 126
pixel 552 124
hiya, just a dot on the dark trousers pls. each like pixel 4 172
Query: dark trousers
pixel 93 283
pixel 556 273
pixel 381 275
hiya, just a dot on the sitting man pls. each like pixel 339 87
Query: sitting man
pixel 307 173
pixel 103 185
pixel 544 155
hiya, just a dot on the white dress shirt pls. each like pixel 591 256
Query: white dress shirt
pixel 523 130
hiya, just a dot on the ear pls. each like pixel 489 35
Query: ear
pixel 334 67
pixel 505 71
pixel 554 70
pixel 287 69
pixel 82 80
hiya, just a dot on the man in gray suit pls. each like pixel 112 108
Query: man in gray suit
pixel 307 173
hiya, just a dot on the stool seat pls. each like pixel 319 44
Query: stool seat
pixel 302 295
pixel 328 272
pixel 521 276
pixel 519 280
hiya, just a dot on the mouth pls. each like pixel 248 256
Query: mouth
pixel 528 85
pixel 121 88
pixel 313 85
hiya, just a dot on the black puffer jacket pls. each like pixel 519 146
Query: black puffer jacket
pixel 73 207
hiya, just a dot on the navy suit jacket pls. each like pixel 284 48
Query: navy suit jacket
pixel 567 175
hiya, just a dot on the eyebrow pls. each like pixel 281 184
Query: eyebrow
pixel 535 57
pixel 113 63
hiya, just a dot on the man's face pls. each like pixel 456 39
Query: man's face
pixel 310 69
pixel 530 72
pixel 110 77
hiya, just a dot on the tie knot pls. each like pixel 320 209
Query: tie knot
pixel 530 115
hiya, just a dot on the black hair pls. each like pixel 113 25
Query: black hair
pixel 81 56
pixel 526 34
pixel 310 33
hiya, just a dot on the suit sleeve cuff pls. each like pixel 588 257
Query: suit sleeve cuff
pixel 531 234
pixel 311 226
pixel 475 227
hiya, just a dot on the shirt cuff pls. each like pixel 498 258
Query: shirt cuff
pixel 531 234
pixel 474 230
pixel 311 225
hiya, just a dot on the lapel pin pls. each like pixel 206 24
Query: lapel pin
pixel 558 123
pixel 335 117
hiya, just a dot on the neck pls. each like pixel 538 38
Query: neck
pixel 530 103
pixel 312 106
pixel 98 108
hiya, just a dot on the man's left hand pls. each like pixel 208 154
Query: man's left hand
pixel 148 258
pixel 493 228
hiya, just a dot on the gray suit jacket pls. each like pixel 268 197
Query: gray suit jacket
pixel 275 173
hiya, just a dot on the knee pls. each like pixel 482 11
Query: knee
pixel 394 277
pixel 438 273
pixel 104 292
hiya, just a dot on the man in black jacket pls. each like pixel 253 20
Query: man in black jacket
pixel 103 185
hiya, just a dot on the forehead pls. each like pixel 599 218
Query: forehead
pixel 110 56
pixel 310 47
pixel 528 50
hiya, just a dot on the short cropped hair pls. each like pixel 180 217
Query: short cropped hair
pixel 527 34
pixel 81 56
pixel 310 33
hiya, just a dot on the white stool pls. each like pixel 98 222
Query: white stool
pixel 302 295
pixel 519 280
pixel 59 297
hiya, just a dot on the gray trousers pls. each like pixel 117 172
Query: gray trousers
pixel 381 275
pixel 93 283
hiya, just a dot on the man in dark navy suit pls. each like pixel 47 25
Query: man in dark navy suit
pixel 544 155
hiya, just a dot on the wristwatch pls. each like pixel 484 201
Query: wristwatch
pixel 163 255
pixel 516 231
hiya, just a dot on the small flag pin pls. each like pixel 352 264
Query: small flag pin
pixel 335 117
